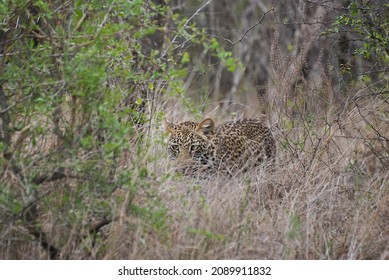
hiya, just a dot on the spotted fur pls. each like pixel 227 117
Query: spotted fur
pixel 231 147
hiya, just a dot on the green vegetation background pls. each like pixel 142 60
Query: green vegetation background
pixel 84 86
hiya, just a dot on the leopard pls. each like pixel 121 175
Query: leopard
pixel 231 147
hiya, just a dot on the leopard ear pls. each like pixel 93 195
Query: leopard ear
pixel 168 125
pixel 206 126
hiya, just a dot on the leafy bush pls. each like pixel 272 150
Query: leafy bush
pixel 84 86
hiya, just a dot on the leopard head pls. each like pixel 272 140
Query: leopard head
pixel 191 142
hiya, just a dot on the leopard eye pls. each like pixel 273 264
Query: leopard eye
pixel 175 147
pixel 194 147
pixel 173 150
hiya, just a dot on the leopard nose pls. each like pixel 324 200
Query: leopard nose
pixel 184 155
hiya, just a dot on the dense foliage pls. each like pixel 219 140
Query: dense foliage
pixel 84 86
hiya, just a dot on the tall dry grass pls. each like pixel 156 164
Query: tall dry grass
pixel 322 202
pixel 326 197
pixel 285 213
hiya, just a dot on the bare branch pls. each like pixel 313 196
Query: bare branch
pixel 255 24
pixel 183 27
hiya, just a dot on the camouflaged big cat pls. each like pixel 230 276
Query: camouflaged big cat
pixel 231 147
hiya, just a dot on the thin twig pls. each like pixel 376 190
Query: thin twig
pixel 254 25
pixel 182 28
pixel 233 44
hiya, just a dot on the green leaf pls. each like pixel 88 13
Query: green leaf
pixel 214 44
pixel 185 58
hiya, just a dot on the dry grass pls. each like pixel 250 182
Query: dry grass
pixel 327 197
pixel 284 214
pixel 323 201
